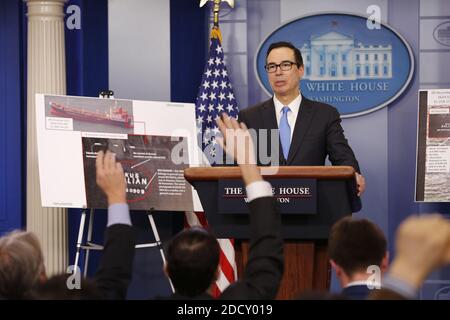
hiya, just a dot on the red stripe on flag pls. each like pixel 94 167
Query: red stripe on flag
pixel 215 292
pixel 226 267
pixel 202 218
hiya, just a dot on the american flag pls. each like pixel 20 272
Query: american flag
pixel 215 96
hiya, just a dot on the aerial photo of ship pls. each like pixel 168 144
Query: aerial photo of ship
pixel 116 116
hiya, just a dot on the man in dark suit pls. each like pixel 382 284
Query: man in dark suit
pixel 309 131
pixel 193 255
pixel 358 253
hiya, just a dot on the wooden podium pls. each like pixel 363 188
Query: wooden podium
pixel 305 235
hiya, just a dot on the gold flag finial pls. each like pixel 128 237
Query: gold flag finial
pixel 217 8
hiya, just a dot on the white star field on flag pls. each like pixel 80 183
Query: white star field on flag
pixel 215 96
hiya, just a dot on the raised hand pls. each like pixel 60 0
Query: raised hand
pixel 110 177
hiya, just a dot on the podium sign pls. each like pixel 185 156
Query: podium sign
pixel 335 192
pixel 294 196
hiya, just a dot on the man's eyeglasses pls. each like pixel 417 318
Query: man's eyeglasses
pixel 284 66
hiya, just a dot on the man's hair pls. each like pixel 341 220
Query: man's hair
pixel 192 261
pixel 285 44
pixel 21 264
pixel 355 244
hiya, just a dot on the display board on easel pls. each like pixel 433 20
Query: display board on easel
pixel 433 146
pixel 154 141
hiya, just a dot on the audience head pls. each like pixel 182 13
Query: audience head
pixel 192 261
pixel 21 264
pixel 354 245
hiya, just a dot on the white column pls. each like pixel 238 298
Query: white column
pixel 46 74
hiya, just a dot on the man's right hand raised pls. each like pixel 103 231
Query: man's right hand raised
pixel 237 143
pixel 110 177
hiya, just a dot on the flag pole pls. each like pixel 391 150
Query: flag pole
pixel 216 9
pixel 216 13
pixel 215 96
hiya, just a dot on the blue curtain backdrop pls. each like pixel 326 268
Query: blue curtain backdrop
pixel 189 41
pixel 12 110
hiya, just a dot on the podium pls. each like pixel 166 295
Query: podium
pixel 305 234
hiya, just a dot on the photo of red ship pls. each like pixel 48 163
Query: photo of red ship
pixel 116 116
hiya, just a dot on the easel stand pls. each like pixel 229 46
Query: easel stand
pixel 89 245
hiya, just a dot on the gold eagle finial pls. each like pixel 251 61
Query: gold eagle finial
pixel 217 8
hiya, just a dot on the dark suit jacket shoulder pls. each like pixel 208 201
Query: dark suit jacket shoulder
pixel 114 273
pixel 265 265
pixel 256 114
pixel 177 296
pixel 385 294
pixel 358 292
